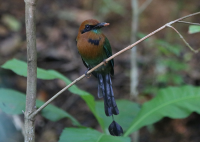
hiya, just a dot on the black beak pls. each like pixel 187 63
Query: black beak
pixel 100 25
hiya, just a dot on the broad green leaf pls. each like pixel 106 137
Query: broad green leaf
pixel 20 68
pixel 54 113
pixel 88 98
pixel 13 102
pixel 88 135
pixel 194 29
pixel 127 109
pixel 173 102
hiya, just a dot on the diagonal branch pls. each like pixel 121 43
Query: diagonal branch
pixel 90 71
pixel 108 59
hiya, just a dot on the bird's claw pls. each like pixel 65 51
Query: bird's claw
pixel 87 75
pixel 105 62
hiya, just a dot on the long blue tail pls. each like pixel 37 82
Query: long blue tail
pixel 105 90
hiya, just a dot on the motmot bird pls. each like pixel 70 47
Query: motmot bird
pixel 94 47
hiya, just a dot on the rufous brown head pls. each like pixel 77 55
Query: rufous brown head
pixel 91 25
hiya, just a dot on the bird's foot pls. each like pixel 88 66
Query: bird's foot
pixel 105 62
pixel 87 75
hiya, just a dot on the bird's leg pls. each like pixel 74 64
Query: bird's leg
pixel 105 62
pixel 87 75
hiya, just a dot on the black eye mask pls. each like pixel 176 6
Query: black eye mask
pixel 88 28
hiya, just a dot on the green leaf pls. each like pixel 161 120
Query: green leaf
pixel 88 135
pixel 194 29
pixel 167 48
pixel 54 113
pixel 88 98
pixel 111 6
pixel 127 109
pixel 13 23
pixel 141 35
pixel 173 102
pixel 170 77
pixel 20 68
pixel 13 102
pixel 173 64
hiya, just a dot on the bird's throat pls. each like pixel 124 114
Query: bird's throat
pixel 96 31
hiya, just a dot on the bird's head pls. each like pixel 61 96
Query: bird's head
pixel 92 25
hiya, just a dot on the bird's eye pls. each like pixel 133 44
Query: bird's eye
pixel 87 27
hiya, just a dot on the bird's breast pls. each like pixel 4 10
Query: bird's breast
pixel 90 47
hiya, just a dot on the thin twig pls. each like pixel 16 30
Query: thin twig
pixel 196 51
pixel 108 59
pixel 144 5
pixel 185 22
pixel 185 17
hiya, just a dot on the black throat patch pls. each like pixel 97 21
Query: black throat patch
pixel 95 41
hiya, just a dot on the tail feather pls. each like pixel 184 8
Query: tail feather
pixel 105 90
pixel 100 86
